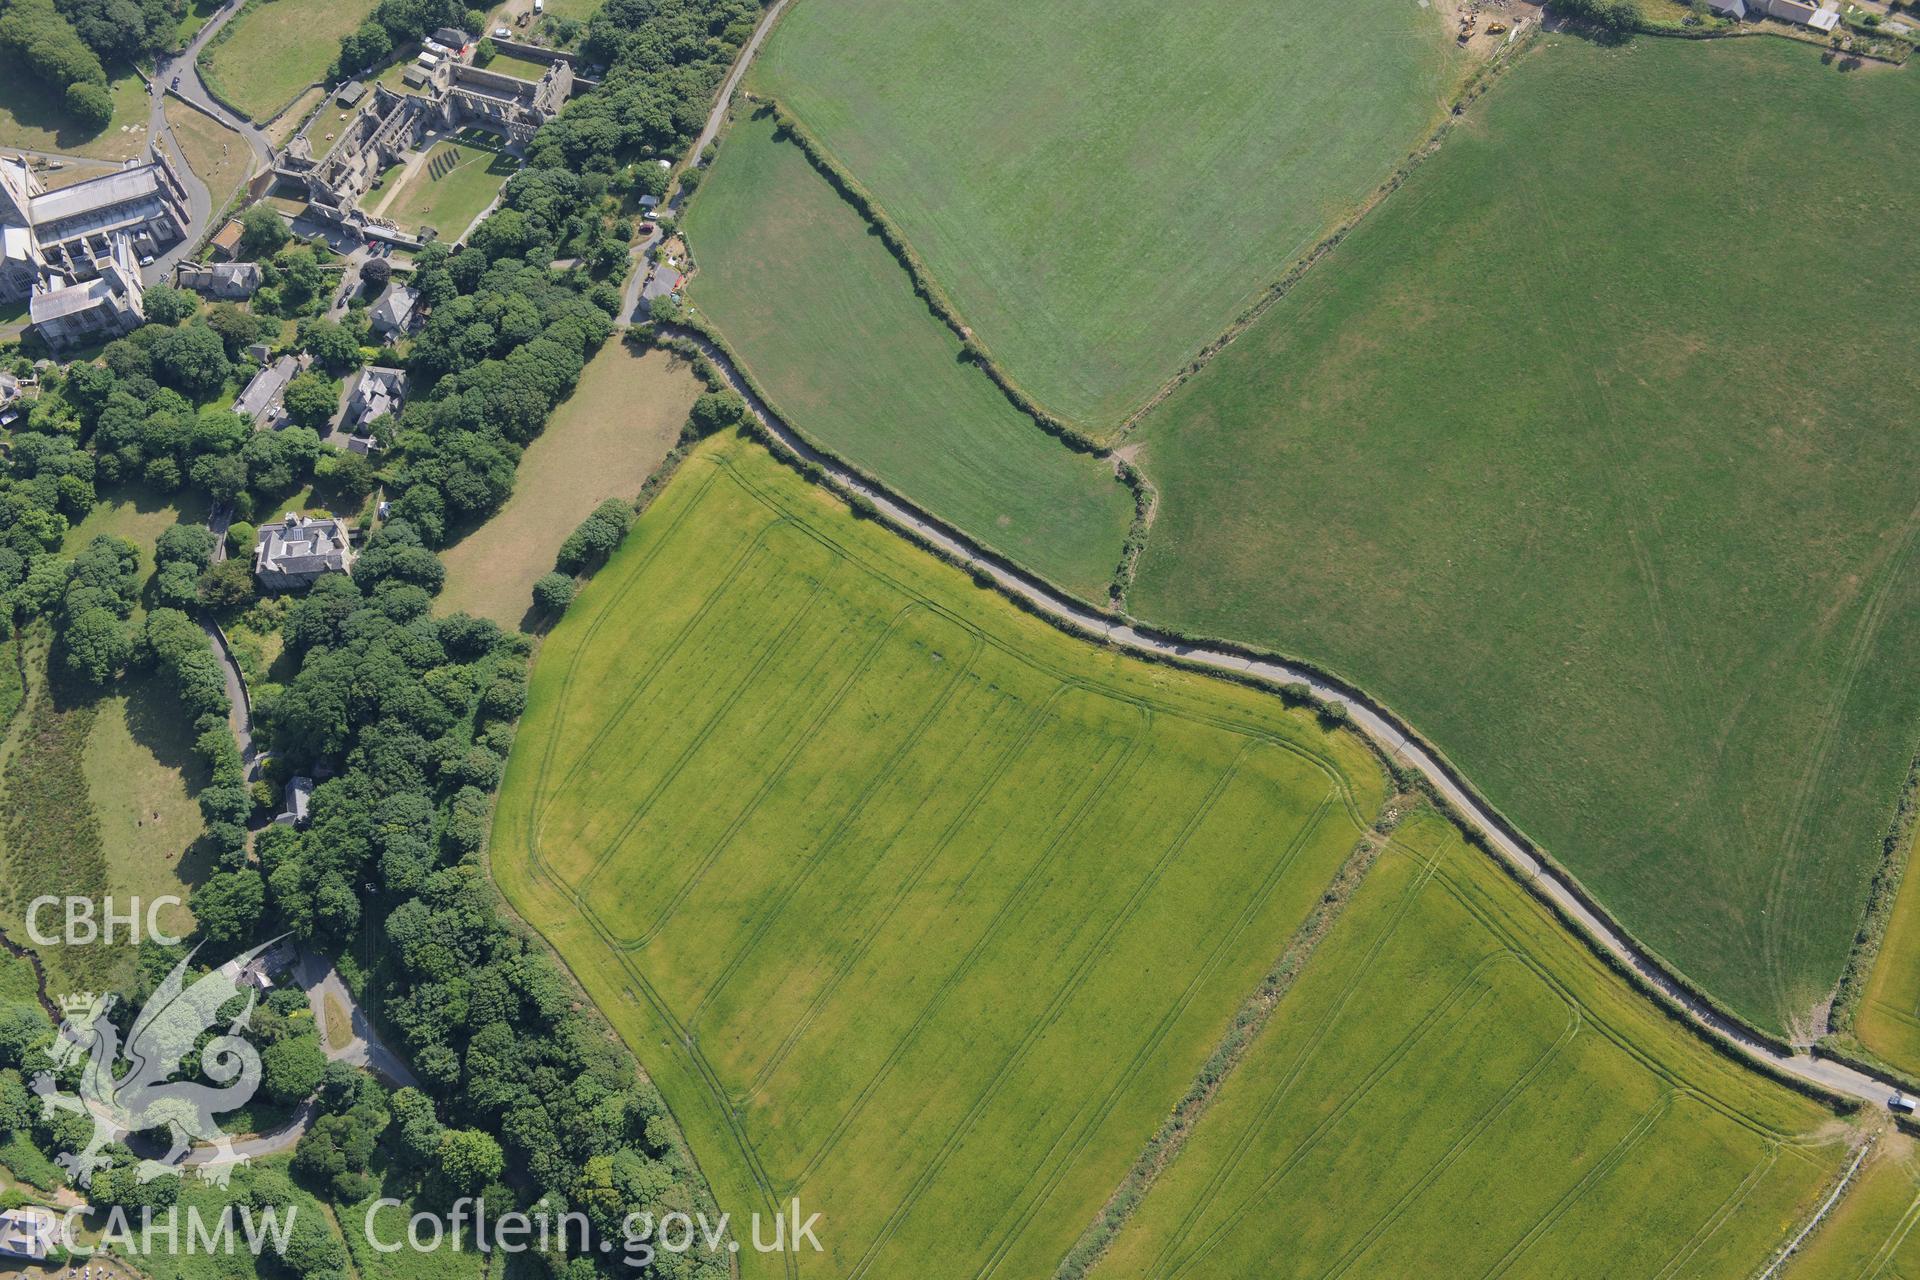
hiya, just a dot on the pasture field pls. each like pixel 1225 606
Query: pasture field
pixel 451 201
pixel 96 791
pixel 143 774
pixel 1101 188
pixel 1603 480
pixel 826 320
pixel 1495 1100
pixel 610 435
pixel 1887 1020
pixel 266 57
pixel 891 887
pixel 217 155
pixel 1869 1234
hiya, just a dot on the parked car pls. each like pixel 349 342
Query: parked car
pixel 175 84
pixel 502 33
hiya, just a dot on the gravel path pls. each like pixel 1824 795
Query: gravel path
pixel 1548 883
pixel 321 980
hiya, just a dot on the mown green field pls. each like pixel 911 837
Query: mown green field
pixel 1869 1233
pixel 827 321
pixel 603 442
pixel 913 907
pixel 1591 453
pixel 275 49
pixel 1103 187
pixel 450 202
pixel 1478 1095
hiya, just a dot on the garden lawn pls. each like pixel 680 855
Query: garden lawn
pixel 512 64
pixel 1485 1097
pixel 1103 187
pixel 34 117
pixel 610 435
pixel 266 57
pixel 452 201
pixel 892 887
pixel 1590 453
pixel 827 321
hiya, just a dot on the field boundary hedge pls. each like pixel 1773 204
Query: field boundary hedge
pixel 1145 498
pixel 816 468
pixel 1895 853
pixel 1476 85
pixel 788 126
pixel 1170 1139
pixel 1729 31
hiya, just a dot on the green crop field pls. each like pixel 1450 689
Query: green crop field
pixel 1590 453
pixel 268 55
pixel 891 887
pixel 1491 1100
pixel 1102 187
pixel 827 321
pixel 1870 1233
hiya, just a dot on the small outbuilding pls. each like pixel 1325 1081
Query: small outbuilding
pixel 298 799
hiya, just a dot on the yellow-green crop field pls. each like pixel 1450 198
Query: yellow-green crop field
pixel 1888 1019
pixel 1480 1096
pixel 928 914
pixel 892 888
pixel 1869 1235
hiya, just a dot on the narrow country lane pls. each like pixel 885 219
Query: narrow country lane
pixel 1071 615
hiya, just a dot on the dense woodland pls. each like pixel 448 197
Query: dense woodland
pixel 526 1096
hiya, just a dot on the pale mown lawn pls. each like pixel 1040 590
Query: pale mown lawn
pixel 451 201
pixel 217 155
pixel 602 443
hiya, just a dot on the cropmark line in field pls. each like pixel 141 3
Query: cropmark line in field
pixel 1095 955
pixel 1225 945
pixel 831 842
pixel 1013 901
